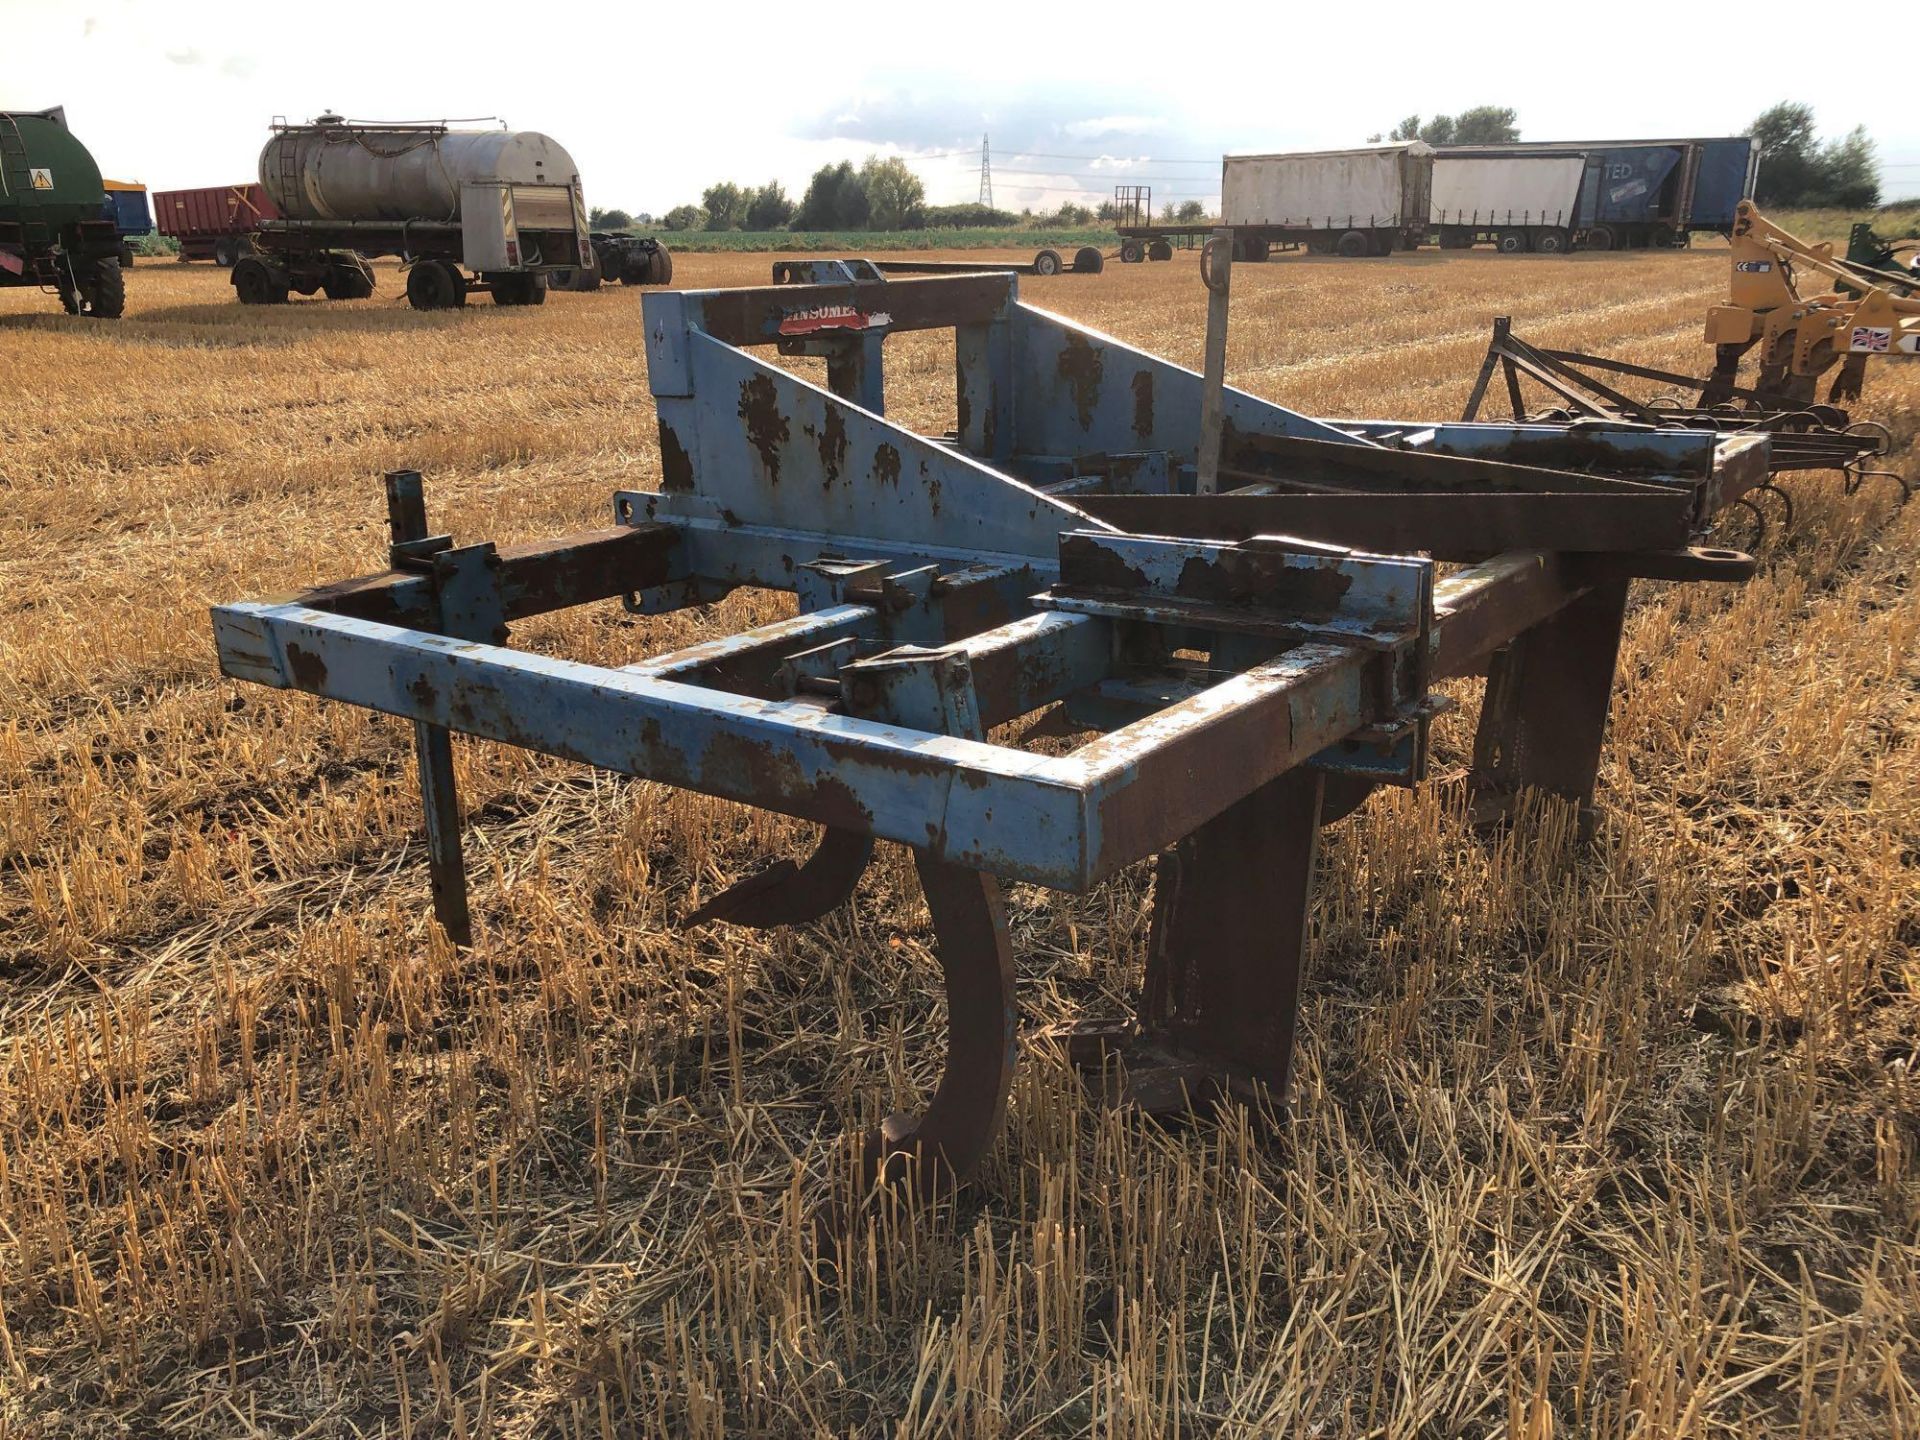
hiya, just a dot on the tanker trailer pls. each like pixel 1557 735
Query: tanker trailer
pixel 504 205
pixel 53 231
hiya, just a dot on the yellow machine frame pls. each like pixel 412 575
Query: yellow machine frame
pixel 1800 337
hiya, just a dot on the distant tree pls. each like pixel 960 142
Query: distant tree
pixel 896 200
pixel 1795 169
pixel 643 217
pixel 725 204
pixel 599 219
pixel 1852 172
pixel 1191 212
pixel 1485 125
pixel 1068 217
pixel 1109 210
pixel 768 208
pixel 684 217
pixel 1482 125
pixel 835 200
pixel 969 216
pixel 1167 213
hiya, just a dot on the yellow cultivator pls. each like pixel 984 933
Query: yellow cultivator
pixel 1802 336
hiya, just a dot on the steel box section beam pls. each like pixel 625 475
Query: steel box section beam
pixel 1076 390
pixel 1618 448
pixel 1065 822
pixel 732 553
pixel 1447 527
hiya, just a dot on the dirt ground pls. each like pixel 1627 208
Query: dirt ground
pixel 1618 1140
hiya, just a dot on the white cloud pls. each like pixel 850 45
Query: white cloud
pixel 1104 125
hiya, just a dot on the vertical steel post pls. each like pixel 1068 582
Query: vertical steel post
pixel 432 744
pixel 1216 271
pixel 1229 934
pixel 1545 711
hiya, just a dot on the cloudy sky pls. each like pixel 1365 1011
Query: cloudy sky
pixel 657 100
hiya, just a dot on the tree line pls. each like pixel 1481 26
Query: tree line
pixel 879 194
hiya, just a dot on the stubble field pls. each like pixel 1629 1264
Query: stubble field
pixel 1622 1140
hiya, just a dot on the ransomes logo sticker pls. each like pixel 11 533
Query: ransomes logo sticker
pixel 42 177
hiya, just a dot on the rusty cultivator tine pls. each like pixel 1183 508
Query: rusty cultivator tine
pixel 789 894
pixel 932 1152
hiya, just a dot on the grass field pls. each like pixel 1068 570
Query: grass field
pixel 1618 1141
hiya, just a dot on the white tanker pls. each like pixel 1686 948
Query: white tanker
pixel 467 210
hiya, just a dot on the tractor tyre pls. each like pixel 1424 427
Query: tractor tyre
pixel 435 285
pixel 255 284
pixel 660 266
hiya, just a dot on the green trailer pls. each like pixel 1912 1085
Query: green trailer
pixel 53 234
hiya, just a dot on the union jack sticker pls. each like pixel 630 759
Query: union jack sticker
pixel 1871 339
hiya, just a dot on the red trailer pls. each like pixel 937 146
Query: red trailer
pixel 216 222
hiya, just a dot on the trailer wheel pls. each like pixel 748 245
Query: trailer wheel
pixel 1511 242
pixel 1160 250
pixel 224 253
pixel 660 266
pixel 1132 252
pixel 1047 262
pixel 1598 238
pixel 1352 244
pixel 1551 242
pixel 255 284
pixel 1088 260
pixel 435 285
pixel 103 289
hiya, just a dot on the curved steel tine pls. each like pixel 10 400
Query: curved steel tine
pixel 1759 520
pixel 939 1149
pixel 788 894
pixel 1786 503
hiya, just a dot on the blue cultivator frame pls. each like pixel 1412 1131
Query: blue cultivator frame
pixel 1245 666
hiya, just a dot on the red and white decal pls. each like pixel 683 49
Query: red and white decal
pixel 832 317
pixel 12 263
pixel 1871 339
